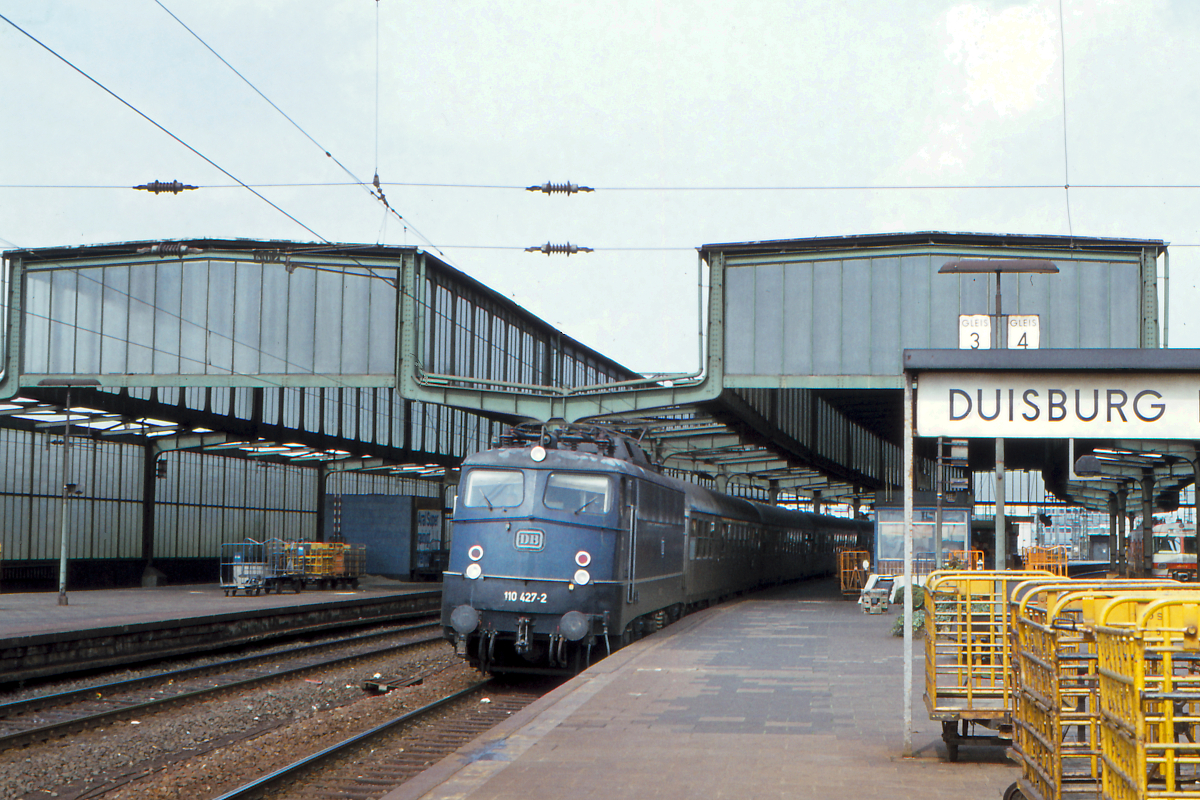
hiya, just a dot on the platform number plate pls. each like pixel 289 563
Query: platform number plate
pixel 1024 332
pixel 974 332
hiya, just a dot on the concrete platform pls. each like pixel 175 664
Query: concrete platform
pixel 793 694
pixel 110 627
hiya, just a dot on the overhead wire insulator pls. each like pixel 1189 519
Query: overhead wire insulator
pixel 158 187
pixel 559 188
pixel 565 249
pixel 170 249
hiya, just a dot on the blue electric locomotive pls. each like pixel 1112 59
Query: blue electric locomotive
pixel 569 543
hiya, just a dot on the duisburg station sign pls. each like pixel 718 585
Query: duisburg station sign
pixel 1092 405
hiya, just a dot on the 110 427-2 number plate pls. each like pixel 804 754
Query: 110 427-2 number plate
pixel 524 597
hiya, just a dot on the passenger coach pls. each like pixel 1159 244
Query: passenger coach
pixel 569 543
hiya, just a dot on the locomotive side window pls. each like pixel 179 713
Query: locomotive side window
pixel 494 488
pixel 579 493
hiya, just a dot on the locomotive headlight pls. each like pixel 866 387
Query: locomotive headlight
pixel 582 576
pixel 473 570
pixel 866 564
pixel 583 558
pixel 464 619
pixel 538 453
pixel 475 553
pixel 574 625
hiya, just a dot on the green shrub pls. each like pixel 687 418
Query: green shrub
pixel 918 624
pixel 918 598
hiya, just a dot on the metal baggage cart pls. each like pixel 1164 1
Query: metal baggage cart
pixel 353 564
pixel 330 564
pixel 244 567
pixel 1050 559
pixel 968 675
pixel 964 559
pixel 1056 716
pixel 1149 676
pixel 853 568
pixel 285 569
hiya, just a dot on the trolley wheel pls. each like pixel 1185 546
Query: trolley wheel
pixel 297 586
pixel 1014 793
pixel 227 593
pixel 951 738
pixel 354 583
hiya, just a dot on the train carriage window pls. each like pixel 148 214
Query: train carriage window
pixel 494 488
pixel 579 492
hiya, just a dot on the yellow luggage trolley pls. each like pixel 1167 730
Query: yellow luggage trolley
pixel 1050 559
pixel 853 568
pixel 968 675
pixel 964 559
pixel 1056 717
pixel 1149 675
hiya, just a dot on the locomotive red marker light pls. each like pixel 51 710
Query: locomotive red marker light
pixel 583 558
pixel 475 553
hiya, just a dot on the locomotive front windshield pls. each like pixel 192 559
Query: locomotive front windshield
pixel 578 492
pixel 494 488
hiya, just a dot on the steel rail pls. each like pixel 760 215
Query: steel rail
pixel 43 732
pixel 42 701
pixel 261 785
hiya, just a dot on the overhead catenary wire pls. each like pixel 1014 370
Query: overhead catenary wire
pixel 1062 38
pixel 146 117
pixel 377 192
pixel 918 187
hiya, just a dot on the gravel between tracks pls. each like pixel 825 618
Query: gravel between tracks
pixel 286 721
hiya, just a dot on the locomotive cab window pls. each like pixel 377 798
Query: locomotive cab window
pixel 494 488
pixel 579 493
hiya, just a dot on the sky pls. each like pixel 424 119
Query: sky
pixel 696 122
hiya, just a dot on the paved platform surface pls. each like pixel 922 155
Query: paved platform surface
pixel 31 613
pixel 792 694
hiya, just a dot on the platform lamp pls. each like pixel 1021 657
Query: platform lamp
pixel 999 266
pixel 62 551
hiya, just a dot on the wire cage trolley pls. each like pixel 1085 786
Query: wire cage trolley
pixel 254 567
pixel 246 567
pixel 1051 559
pixel 968 675
pixel 853 568
pixel 964 559
pixel 1056 718
pixel 1149 675
pixel 326 564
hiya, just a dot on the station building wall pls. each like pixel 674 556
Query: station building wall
pixel 202 502
pixel 825 316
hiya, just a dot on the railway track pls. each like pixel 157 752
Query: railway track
pixel 374 762
pixel 44 717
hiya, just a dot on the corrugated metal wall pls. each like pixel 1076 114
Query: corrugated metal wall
pixel 855 316
pixel 105 521
pixel 202 501
pixel 211 317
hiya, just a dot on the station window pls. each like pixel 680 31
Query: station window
pixel 493 488
pixel 579 492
